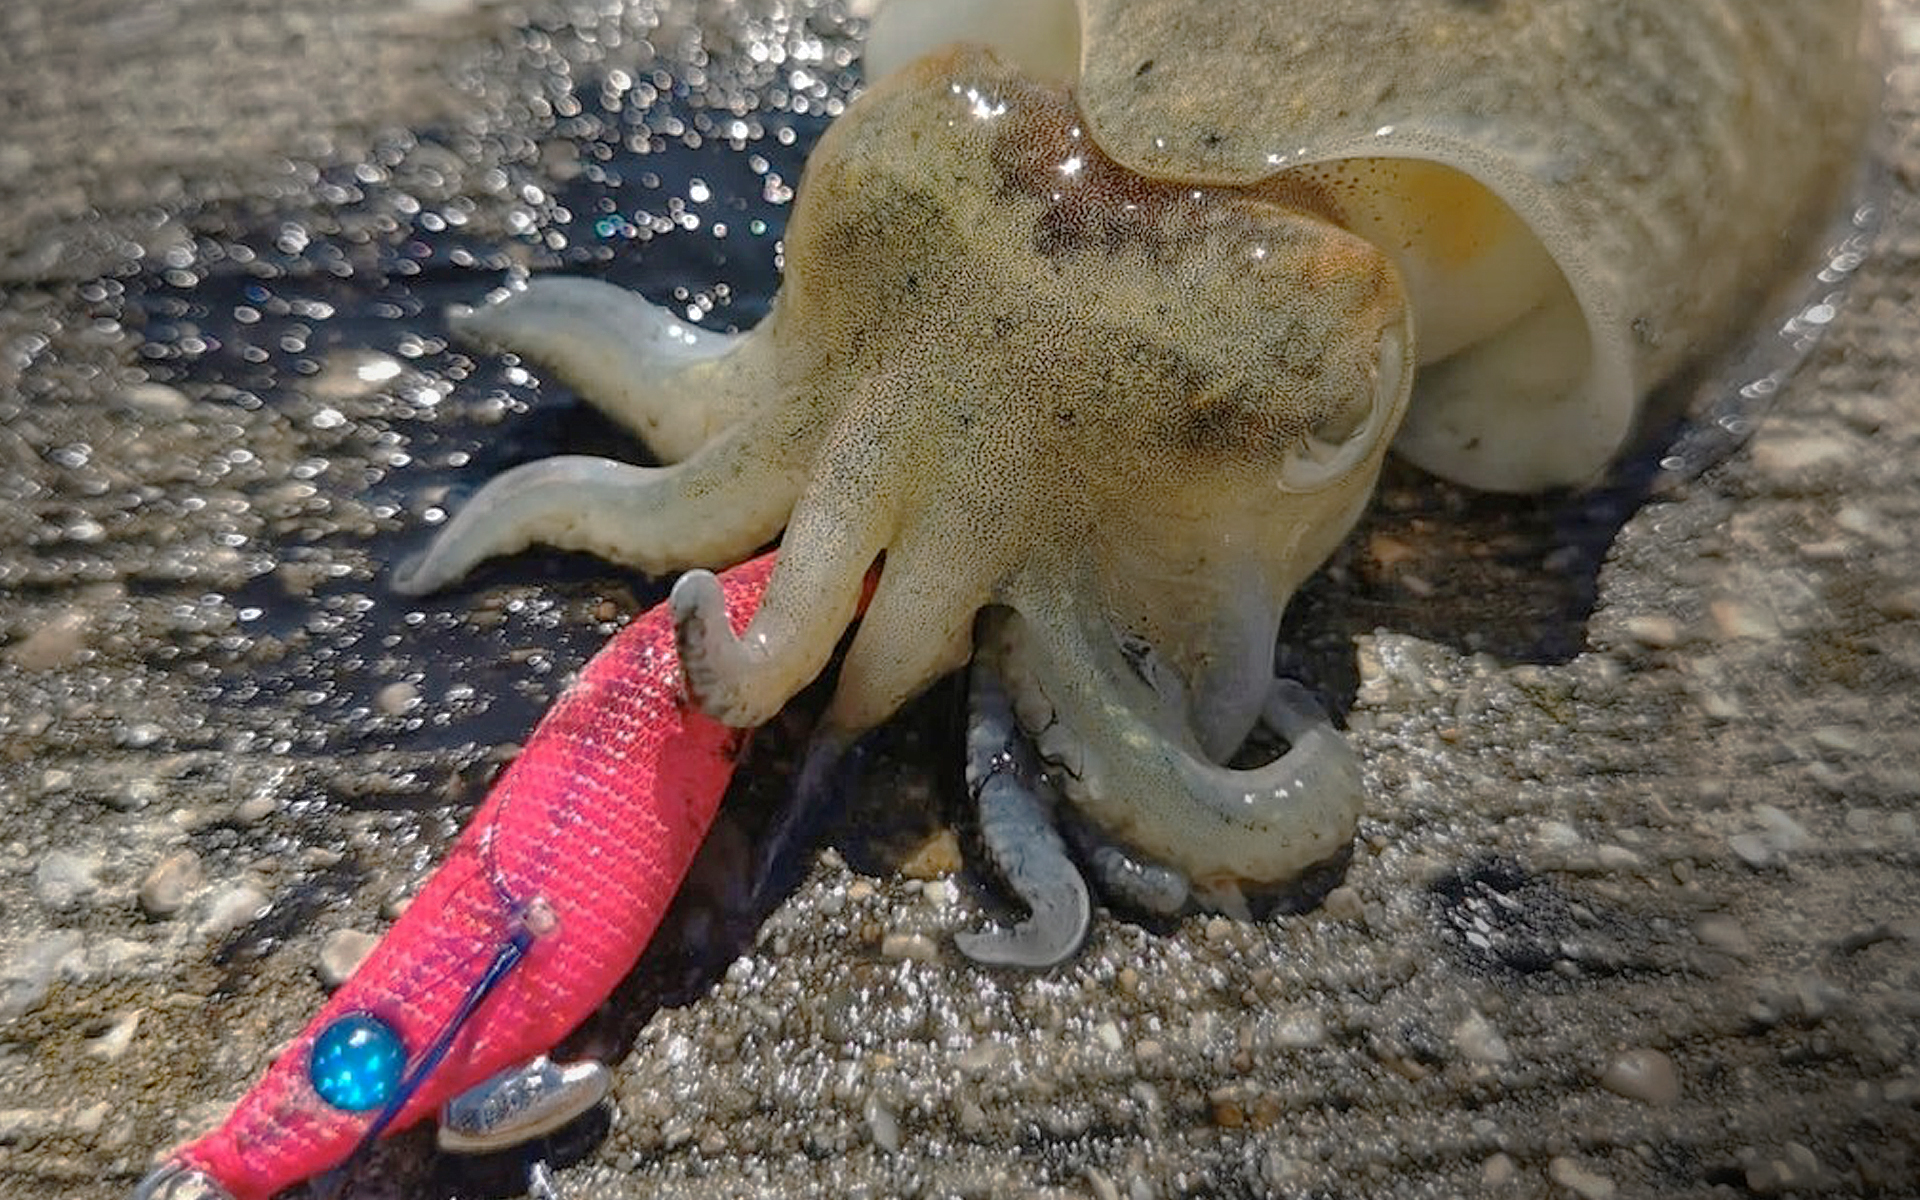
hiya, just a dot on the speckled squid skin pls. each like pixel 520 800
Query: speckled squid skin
pixel 1081 377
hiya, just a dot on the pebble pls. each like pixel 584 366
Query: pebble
pixel 1841 739
pixel 89 1121
pixel 1343 903
pixel 1780 836
pixel 342 952
pixel 1101 1183
pixel 112 1044
pixel 231 909
pixel 32 967
pixel 1557 835
pixel 397 699
pixel 353 374
pixel 916 946
pixel 136 795
pixel 64 879
pixel 1617 858
pixel 883 1126
pixel 157 398
pixel 1498 1171
pixel 1478 1041
pixel 1903 605
pixel 1740 620
pixel 1724 934
pixel 1301 1029
pixel 1645 1075
pixel 1586 1184
pixel 171 882
pixel 1796 1168
pixel 56 643
pixel 1785 459
pixel 1652 631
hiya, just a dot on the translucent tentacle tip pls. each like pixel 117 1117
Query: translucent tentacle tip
pixel 357 1063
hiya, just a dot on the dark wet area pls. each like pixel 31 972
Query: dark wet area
pixel 333 321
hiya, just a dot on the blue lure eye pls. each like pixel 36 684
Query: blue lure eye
pixel 357 1063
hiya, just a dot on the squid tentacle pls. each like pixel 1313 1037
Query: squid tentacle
pixel 1126 876
pixel 676 385
pixel 717 507
pixel 1134 768
pixel 1016 808
pixel 835 534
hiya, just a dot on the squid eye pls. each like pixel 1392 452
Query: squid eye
pixel 357 1062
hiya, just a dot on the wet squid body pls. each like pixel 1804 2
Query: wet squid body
pixel 1097 323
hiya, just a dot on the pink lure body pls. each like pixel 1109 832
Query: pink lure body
pixel 597 820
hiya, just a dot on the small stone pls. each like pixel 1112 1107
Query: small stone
pixel 256 808
pixel 916 946
pixel 1652 631
pixel 1498 1171
pixel 1818 999
pixel 1301 1029
pixel 1343 903
pixel 1557 835
pixel 1752 849
pixel 1784 459
pixel 1782 831
pixel 173 880
pixel 89 1120
pixel 135 795
pixel 1857 518
pixel 1101 1183
pixel 981 1057
pixel 1900 606
pixel 1645 1075
pixel 1795 1169
pixel 1741 620
pixel 23 1124
pixel 1724 934
pixel 64 879
pixel 1108 1035
pixel 342 952
pixel 883 1126
pixel 56 643
pixel 112 1044
pixel 351 374
pixel 232 908
pixel 16 162
pixel 1840 739
pixel 156 398
pixel 1616 858
pixel 31 969
pixel 1586 1184
pixel 397 699
pixel 1478 1041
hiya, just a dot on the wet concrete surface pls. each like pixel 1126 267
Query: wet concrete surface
pixel 1632 913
